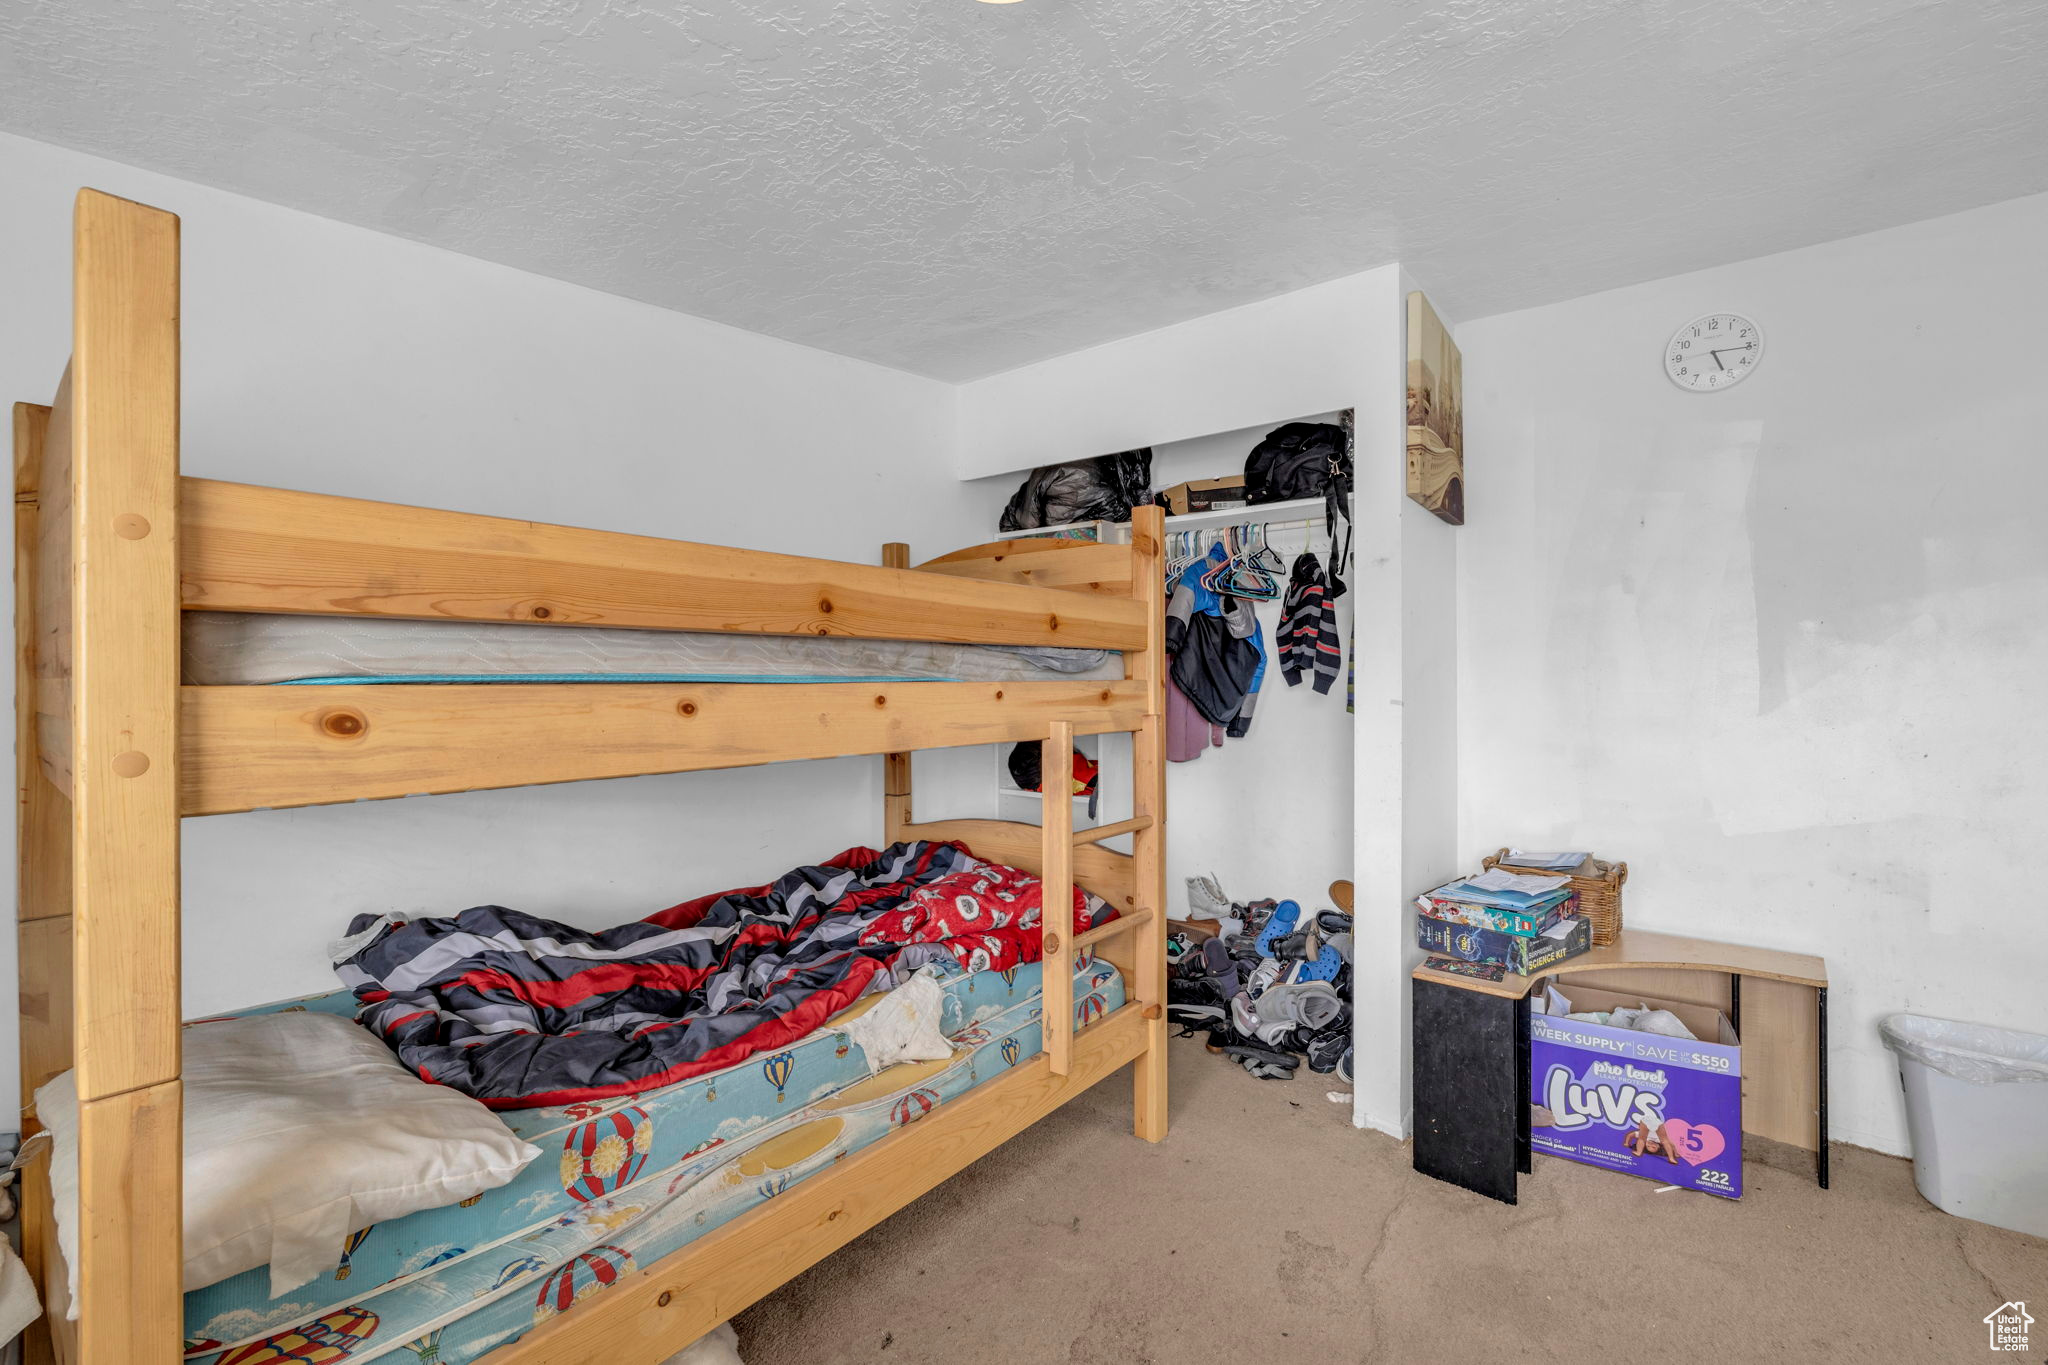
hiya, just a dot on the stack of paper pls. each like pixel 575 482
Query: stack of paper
pixel 1549 862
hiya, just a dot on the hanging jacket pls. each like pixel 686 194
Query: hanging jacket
pixel 1308 628
pixel 1188 731
pixel 1218 650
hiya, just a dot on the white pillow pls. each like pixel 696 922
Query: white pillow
pixel 300 1128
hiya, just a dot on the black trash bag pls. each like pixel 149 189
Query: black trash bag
pixel 1299 460
pixel 1024 766
pixel 1104 488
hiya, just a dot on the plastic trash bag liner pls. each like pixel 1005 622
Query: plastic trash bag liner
pixel 1101 488
pixel 1977 1053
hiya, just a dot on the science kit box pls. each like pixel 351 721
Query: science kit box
pixel 1666 1109
pixel 1566 938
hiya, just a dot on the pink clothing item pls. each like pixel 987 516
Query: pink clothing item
pixel 1188 731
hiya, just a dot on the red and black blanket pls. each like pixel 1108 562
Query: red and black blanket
pixel 523 1012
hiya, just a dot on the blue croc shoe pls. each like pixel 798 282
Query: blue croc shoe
pixel 1280 925
pixel 1325 967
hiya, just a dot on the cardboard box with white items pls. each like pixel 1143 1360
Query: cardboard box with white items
pixel 1654 1104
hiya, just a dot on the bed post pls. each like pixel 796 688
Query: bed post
pixel 1148 798
pixel 895 766
pixel 42 879
pixel 121 435
pixel 1056 901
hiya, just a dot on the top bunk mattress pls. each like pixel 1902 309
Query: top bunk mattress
pixel 241 648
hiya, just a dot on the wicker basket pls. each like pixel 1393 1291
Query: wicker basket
pixel 1599 888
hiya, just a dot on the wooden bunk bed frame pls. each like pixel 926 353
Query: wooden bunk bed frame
pixel 111 544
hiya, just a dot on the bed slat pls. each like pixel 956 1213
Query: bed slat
pixel 1076 565
pixel 247 548
pixel 246 748
pixel 1056 919
pixel 1102 870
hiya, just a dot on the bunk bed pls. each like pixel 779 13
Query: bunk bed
pixel 115 745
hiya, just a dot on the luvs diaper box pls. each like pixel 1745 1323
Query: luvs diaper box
pixel 1651 1104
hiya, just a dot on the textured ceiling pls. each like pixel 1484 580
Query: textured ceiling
pixel 957 188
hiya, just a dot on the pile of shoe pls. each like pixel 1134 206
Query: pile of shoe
pixel 1268 983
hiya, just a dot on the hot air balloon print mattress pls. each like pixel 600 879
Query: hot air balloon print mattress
pixel 621 1184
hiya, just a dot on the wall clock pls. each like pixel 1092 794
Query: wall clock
pixel 1717 351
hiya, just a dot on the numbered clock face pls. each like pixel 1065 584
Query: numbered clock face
pixel 1715 352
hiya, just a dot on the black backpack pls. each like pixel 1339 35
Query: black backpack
pixel 1299 460
pixel 1307 460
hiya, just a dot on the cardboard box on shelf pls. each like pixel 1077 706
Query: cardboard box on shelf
pixel 1567 938
pixel 1205 495
pixel 1666 1109
pixel 1521 923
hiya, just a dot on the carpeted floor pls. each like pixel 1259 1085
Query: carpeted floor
pixel 1267 1229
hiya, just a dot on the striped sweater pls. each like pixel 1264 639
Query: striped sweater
pixel 1308 628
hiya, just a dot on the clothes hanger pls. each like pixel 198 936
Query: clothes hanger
pixel 1265 556
pixel 1242 575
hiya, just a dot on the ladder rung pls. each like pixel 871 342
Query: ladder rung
pixel 1116 926
pixel 1101 832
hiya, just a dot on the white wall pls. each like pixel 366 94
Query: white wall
pixel 1258 365
pixel 1429 669
pixel 330 358
pixel 1782 647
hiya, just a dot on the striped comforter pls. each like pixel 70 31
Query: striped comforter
pixel 523 1012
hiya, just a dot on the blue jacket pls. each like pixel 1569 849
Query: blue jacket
pixel 1218 647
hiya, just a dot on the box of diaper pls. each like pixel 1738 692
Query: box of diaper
pixel 1651 1088
pixel 1564 938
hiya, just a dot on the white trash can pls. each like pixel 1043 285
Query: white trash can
pixel 1977 1109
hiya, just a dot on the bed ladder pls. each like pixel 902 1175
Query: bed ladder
pixel 1056 764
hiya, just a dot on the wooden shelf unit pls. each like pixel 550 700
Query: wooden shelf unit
pixel 1465 1028
pixel 112 544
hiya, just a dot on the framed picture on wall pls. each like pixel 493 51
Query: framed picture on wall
pixel 1436 414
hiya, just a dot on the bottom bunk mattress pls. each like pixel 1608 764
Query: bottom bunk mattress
pixel 242 648
pixel 621 1183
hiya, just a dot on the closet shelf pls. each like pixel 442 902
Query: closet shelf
pixel 1296 509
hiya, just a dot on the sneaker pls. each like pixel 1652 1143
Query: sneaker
pixel 1195 1018
pixel 1279 925
pixel 1255 916
pixel 1293 946
pixel 1326 1046
pixel 1344 1067
pixel 1242 1017
pixel 1206 898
